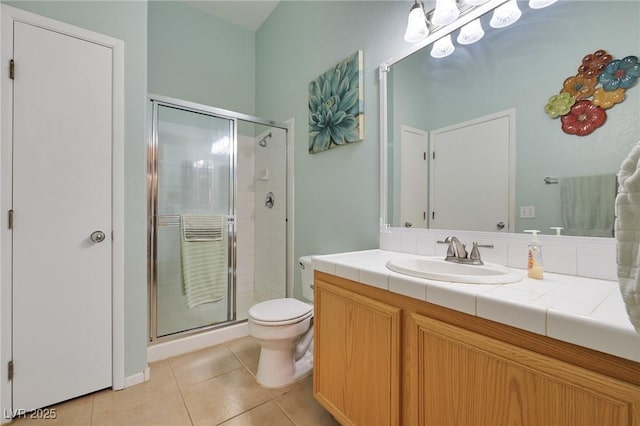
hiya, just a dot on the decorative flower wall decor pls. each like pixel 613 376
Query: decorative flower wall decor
pixel 336 113
pixel 581 104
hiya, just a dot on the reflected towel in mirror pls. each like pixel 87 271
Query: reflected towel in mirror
pixel 586 205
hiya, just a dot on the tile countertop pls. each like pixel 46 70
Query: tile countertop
pixel 583 311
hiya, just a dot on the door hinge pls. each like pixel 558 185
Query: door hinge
pixel 433 215
pixel 10 219
pixel 12 69
pixel 424 155
pixel 433 155
pixel 424 215
pixel 10 370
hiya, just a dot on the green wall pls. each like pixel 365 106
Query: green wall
pixel 200 58
pixel 125 20
pixel 337 191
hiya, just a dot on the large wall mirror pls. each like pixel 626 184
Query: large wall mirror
pixel 482 110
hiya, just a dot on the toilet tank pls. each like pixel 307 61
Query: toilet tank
pixel 306 270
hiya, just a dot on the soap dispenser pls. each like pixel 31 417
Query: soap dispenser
pixel 534 257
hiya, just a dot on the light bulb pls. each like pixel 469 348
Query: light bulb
pixel 446 12
pixel 471 32
pixel 505 15
pixel 539 4
pixel 443 47
pixel 416 25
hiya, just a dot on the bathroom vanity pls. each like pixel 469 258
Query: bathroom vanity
pixel 388 356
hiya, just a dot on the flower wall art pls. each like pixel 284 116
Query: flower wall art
pixel 336 114
pixel 600 84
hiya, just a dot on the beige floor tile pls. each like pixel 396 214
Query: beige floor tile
pixel 160 384
pixel 252 367
pixel 266 414
pixel 214 387
pixel 76 412
pixel 286 389
pixel 198 366
pixel 213 401
pixel 166 410
pixel 247 349
pixel 302 408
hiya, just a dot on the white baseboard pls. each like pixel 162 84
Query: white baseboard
pixel 138 378
pixel 195 342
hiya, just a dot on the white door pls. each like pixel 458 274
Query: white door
pixel 414 177
pixel 61 194
pixel 471 175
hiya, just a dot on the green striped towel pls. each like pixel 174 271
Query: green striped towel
pixel 203 250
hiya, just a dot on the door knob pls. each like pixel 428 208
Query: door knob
pixel 270 200
pixel 500 225
pixel 408 224
pixel 97 236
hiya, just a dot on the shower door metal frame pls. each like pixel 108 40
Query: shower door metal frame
pixel 152 206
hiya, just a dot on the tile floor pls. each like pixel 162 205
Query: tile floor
pixel 213 386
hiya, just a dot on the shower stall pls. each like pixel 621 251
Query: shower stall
pixel 218 219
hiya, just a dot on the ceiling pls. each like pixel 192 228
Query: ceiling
pixel 243 13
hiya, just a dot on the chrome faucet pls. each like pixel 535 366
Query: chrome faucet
pixel 457 251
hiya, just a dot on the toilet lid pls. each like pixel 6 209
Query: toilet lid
pixel 279 310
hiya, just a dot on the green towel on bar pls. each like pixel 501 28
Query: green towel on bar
pixel 203 250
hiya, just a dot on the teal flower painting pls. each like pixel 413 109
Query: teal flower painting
pixel 336 106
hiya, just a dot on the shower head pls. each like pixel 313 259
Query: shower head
pixel 263 141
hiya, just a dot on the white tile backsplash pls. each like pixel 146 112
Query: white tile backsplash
pixel 581 256
pixel 597 261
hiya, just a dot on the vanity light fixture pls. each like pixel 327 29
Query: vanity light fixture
pixel 539 4
pixel 471 32
pixel 443 47
pixel 505 15
pixel 446 12
pixel 417 24
pixel 436 25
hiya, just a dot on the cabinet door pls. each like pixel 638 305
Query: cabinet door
pixel 356 372
pixel 468 379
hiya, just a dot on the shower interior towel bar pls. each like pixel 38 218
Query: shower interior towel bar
pixel 174 220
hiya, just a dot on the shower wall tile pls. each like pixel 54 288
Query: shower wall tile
pixel 270 224
pixel 245 219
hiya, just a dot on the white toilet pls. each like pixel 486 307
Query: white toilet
pixel 283 329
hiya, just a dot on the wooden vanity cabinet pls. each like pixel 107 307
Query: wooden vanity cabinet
pixel 385 359
pixel 356 373
pixel 466 379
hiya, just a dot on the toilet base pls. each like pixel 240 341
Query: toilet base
pixel 277 369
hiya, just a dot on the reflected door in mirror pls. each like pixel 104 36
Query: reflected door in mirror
pixel 470 179
pixel 414 177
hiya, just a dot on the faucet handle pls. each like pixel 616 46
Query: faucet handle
pixel 450 251
pixel 475 244
pixel 475 253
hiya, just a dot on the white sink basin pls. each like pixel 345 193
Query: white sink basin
pixel 436 268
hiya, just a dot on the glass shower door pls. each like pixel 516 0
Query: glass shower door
pixel 192 210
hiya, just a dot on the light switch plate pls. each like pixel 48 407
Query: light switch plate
pixel 527 212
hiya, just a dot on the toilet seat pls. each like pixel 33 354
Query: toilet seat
pixel 277 312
